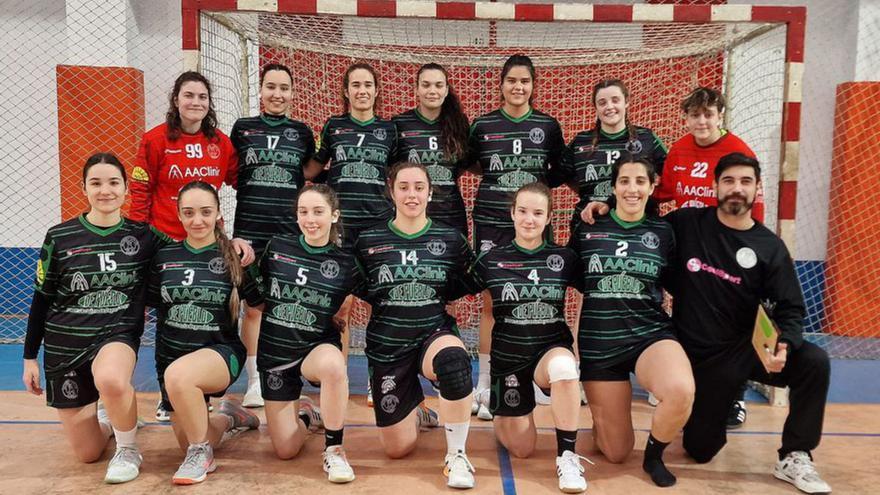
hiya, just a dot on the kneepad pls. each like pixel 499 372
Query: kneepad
pixel 452 366
pixel 562 368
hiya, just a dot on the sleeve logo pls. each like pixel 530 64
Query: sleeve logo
pixel 140 175
pixel 41 272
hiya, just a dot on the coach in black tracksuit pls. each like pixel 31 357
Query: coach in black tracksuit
pixel 725 265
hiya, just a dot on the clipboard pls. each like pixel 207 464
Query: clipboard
pixel 764 337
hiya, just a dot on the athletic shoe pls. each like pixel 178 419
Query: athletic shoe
pixel 583 394
pixel 459 471
pixel 426 417
pixel 124 466
pixel 253 397
pixel 475 405
pixel 198 463
pixel 737 415
pixel 571 473
pixel 541 398
pixel 797 469
pixel 308 408
pixel 483 410
pixel 242 419
pixel 161 414
pixel 369 394
pixel 652 400
pixel 336 465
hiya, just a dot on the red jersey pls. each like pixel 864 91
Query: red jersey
pixel 163 167
pixel 689 172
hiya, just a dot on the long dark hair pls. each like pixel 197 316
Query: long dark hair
pixel 520 60
pixel 109 159
pixel 172 116
pixel 332 199
pixel 453 122
pixel 346 105
pixel 611 83
pixel 230 257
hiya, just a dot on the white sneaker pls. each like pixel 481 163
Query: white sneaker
pixel 336 465
pixel 541 398
pixel 459 471
pixel 426 417
pixel 475 405
pixel 161 414
pixel 571 473
pixel 124 466
pixel 797 469
pixel 253 397
pixel 583 394
pixel 482 397
pixel 369 394
pixel 652 400
pixel 308 408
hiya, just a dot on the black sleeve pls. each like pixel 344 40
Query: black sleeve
pixel 473 148
pixel 565 171
pixel 360 288
pixel 153 296
pixel 556 148
pixel 667 275
pixel 466 281
pixel 393 147
pixel 577 281
pixel 235 135
pixel 36 325
pixel 251 284
pixel 310 141
pixel 783 292
pixel 323 153
pixel 658 154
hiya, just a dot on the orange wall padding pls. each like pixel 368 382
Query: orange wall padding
pixel 852 293
pixel 99 109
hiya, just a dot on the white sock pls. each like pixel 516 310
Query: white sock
pixel 250 366
pixel 126 438
pixel 456 436
pixel 483 381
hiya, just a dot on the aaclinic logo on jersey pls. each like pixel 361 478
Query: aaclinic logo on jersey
pixel 175 172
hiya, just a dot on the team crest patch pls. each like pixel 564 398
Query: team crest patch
pixel 70 389
pixel 634 146
pixel 511 397
pixel 140 175
pixel 130 245
pixel 290 134
pixel 555 262
pixel 380 134
pixel 274 381
pixel 650 240
pixel 388 384
pixel 436 247
pixel 389 403
pixel 330 269
pixel 746 257
pixel 536 135
pixel 511 381
pixel 217 266
pixel 486 245
pixel 41 272
pixel 213 151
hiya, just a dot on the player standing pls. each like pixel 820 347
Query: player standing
pixel 304 280
pixel 435 134
pixel 87 311
pixel 624 328
pixel 272 153
pixel 510 147
pixel 531 342
pixel 194 287
pixel 414 267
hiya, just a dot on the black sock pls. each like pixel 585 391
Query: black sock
pixel 565 440
pixel 653 463
pixel 332 437
pixel 305 418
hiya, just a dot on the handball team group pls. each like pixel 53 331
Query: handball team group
pixel 374 211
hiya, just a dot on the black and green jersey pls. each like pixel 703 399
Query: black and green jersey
pixel 528 301
pixel 511 153
pixel 359 155
pixel 419 141
pixel 271 154
pixel 410 278
pixel 589 167
pixel 625 266
pixel 93 280
pixel 190 288
pixel 303 288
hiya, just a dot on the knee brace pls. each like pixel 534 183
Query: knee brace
pixel 452 366
pixel 562 368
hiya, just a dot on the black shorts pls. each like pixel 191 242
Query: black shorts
pixel 286 384
pixel 234 356
pixel 488 236
pixel 76 388
pixel 620 370
pixel 513 394
pixel 396 387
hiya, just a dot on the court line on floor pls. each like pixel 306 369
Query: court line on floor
pixel 508 483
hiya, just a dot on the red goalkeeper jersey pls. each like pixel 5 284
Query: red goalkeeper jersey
pixel 164 166
pixel 689 172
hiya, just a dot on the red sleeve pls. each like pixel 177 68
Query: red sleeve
pixel 231 163
pixel 143 180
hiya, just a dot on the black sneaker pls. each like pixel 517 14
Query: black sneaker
pixel 737 415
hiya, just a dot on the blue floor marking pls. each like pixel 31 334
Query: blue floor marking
pixel 508 484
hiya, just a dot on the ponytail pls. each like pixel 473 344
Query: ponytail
pixel 453 122
pixel 233 269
